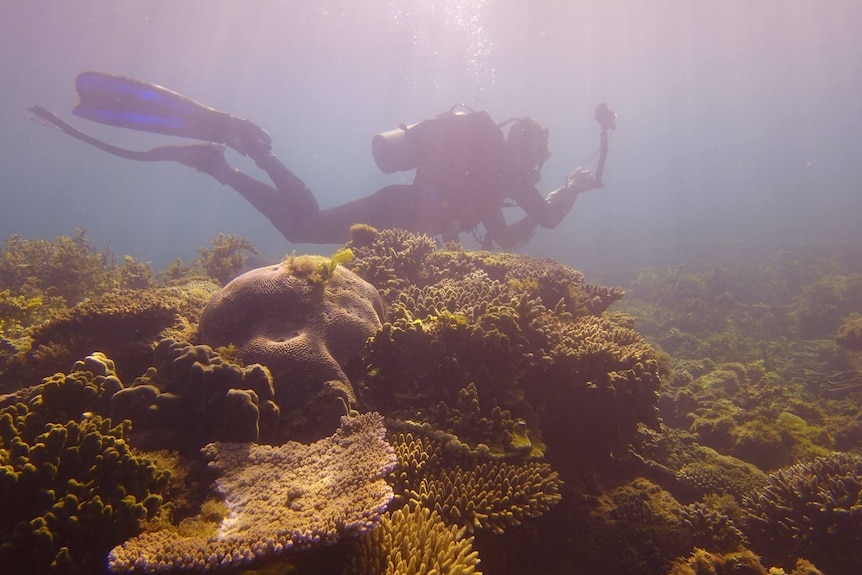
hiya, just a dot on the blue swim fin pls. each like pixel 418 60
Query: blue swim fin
pixel 128 103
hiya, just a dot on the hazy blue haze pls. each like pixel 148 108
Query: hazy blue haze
pixel 739 120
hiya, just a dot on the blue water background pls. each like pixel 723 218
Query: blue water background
pixel 739 121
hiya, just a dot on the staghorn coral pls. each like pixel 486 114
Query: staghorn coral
pixel 303 496
pixel 70 487
pixel 390 259
pixel 811 510
pixel 68 268
pixel 305 320
pixel 471 492
pixel 413 540
pixel 714 523
pixel 192 390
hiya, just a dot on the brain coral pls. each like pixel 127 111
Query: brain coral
pixel 279 498
pixel 305 320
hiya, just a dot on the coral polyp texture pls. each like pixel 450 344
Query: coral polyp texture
pixel 470 491
pixel 279 498
pixel 123 324
pixel 413 540
pixel 305 319
pixel 193 393
pixel 70 487
pixel 812 510
pixel 496 339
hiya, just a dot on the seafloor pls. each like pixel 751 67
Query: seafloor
pixel 400 408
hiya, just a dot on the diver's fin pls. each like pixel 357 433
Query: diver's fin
pixel 129 103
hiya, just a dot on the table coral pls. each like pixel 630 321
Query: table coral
pixel 305 319
pixel 279 498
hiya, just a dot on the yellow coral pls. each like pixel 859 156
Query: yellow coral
pixel 475 494
pixel 414 541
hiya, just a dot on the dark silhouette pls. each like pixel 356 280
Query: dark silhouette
pixel 467 169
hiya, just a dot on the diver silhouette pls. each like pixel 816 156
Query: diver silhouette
pixel 467 169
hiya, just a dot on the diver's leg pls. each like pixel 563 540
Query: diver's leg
pixel 396 206
pixel 278 205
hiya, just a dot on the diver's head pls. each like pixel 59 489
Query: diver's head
pixel 527 142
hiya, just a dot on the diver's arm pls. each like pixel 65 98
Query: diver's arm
pixel 549 211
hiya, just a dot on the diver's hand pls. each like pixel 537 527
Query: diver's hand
pixel 581 180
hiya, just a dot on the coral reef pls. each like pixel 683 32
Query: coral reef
pixel 193 396
pixel 849 334
pixel 123 324
pixel 70 487
pixel 413 540
pixel 811 510
pixel 469 339
pixel 470 491
pixel 227 257
pixel 302 496
pixel 393 260
pixel 305 320
pixel 702 562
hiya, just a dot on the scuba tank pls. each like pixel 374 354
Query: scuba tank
pixel 401 149
pixel 393 152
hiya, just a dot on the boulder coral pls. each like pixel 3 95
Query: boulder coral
pixel 305 319
pixel 194 396
pixel 279 498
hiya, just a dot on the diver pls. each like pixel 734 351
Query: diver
pixel 467 169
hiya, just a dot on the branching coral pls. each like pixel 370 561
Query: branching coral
pixel 70 488
pixel 302 496
pixel 413 540
pixel 471 492
pixel 849 334
pixel 481 320
pixel 226 258
pixel 812 510
pixel 68 267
